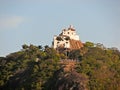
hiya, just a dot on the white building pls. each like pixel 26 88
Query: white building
pixel 67 39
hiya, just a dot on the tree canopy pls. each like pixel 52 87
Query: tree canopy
pixel 39 68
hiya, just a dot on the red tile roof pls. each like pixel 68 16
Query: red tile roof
pixel 75 44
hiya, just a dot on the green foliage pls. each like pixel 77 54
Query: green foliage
pixel 89 44
pixel 102 67
pixel 34 67
pixel 74 54
pixel 29 68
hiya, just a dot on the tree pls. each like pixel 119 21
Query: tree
pixel 24 46
pixel 51 53
pixel 99 45
pixel 89 44
pixel 40 47
pixel 74 54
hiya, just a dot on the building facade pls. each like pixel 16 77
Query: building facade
pixel 67 39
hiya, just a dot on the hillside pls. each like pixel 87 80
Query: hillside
pixel 44 68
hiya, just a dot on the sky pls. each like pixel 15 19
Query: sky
pixel 37 21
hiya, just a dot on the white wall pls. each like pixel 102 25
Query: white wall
pixel 71 33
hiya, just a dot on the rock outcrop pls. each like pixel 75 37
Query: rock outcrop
pixel 68 79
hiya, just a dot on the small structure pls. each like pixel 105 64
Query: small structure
pixel 67 39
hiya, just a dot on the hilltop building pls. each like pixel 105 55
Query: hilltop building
pixel 67 39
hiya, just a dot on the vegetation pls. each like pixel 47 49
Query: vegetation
pixel 29 68
pixel 39 68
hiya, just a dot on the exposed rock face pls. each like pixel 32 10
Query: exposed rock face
pixel 68 65
pixel 71 81
pixel 68 80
